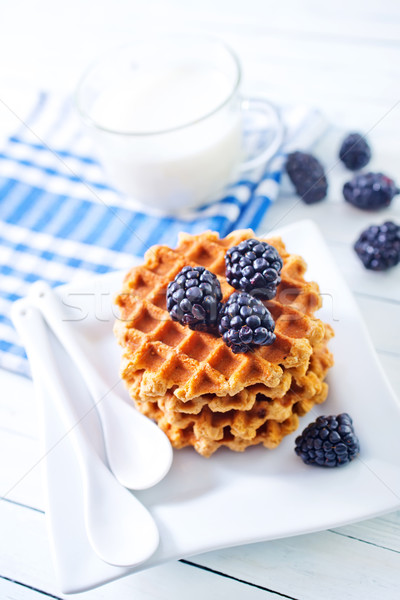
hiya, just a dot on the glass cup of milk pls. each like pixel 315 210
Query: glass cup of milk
pixel 166 116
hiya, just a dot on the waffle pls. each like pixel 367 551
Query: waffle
pixel 191 383
pixel 238 422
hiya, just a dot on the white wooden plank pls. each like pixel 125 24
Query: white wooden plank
pixel 26 557
pixel 306 72
pixel 21 473
pixel 335 32
pixel 10 590
pixel 382 531
pixel 20 442
pixel 17 404
pixel 343 18
pixel 312 567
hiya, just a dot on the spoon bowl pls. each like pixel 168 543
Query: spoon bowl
pixel 138 452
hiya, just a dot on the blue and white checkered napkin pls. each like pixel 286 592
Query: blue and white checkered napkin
pixel 60 220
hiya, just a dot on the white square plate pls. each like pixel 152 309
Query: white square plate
pixel 232 498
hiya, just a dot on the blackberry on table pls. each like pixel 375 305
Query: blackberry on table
pixel 254 267
pixel 355 152
pixel 328 442
pixel 370 191
pixel 194 297
pixel 308 176
pixel 245 322
pixel 378 247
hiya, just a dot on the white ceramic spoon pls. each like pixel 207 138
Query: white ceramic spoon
pixel 138 452
pixel 120 529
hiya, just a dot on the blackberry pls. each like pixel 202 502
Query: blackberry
pixel 244 321
pixel 254 267
pixel 328 442
pixel 378 247
pixel 194 298
pixel 308 177
pixel 370 191
pixel 355 152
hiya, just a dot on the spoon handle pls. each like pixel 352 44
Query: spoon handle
pixel 47 302
pixel 43 366
pixel 120 529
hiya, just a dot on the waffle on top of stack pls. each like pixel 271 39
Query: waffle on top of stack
pixel 200 392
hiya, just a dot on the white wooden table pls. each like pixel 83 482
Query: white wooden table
pixel 342 57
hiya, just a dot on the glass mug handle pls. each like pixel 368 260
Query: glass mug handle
pixel 261 105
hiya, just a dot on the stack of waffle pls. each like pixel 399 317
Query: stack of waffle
pixel 197 390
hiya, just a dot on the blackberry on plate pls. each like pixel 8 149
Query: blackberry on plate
pixel 378 247
pixel 254 267
pixel 370 191
pixel 245 322
pixel 355 152
pixel 328 442
pixel 194 297
pixel 308 176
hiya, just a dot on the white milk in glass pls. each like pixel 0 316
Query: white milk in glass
pixel 162 150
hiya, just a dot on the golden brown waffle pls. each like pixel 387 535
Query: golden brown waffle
pixel 191 383
pixel 238 424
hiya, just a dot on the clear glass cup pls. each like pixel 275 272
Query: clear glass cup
pixel 166 117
